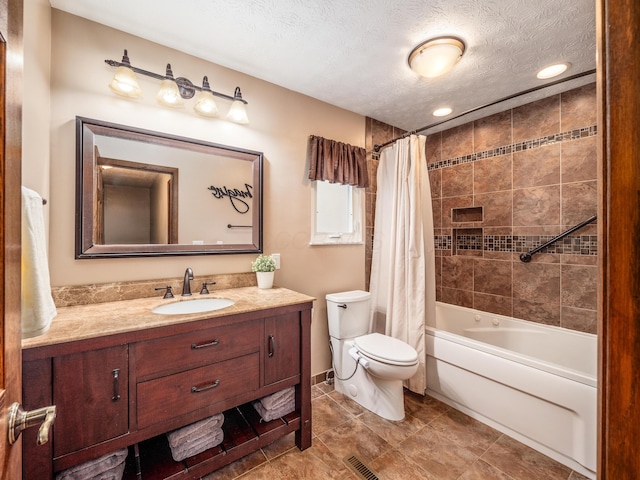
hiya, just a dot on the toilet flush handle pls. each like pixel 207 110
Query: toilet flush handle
pixel 342 305
pixel 355 355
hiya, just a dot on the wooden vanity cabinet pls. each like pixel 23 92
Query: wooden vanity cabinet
pixel 129 389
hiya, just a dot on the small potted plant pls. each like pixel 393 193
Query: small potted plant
pixel 265 267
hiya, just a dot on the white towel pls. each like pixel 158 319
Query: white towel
pixel 38 308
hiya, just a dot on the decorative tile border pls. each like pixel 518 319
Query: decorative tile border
pixel 442 242
pixel 518 147
pixel 572 244
pixel 469 242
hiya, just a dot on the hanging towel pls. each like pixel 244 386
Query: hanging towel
pixel 38 308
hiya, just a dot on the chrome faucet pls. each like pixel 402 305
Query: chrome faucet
pixel 186 286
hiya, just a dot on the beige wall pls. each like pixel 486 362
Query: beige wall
pixel 281 122
pixel 36 108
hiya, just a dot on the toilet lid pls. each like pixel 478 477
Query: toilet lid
pixel 386 349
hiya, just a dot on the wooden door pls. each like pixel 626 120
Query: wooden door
pixel 90 391
pixel 282 339
pixel 10 160
pixel 618 24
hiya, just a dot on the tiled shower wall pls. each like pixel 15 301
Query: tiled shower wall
pixel 512 181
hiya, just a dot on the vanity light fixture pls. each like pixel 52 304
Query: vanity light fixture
pixel 442 112
pixel 173 91
pixel 552 71
pixel 437 56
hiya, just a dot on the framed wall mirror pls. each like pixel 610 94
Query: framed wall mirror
pixel 144 193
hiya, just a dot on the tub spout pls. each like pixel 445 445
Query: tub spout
pixel 186 285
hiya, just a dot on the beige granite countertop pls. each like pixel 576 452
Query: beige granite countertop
pixel 81 322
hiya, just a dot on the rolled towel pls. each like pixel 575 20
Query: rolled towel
pixel 93 469
pixel 272 414
pixel 193 448
pixel 197 429
pixel 276 400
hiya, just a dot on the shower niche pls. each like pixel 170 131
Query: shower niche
pixel 468 238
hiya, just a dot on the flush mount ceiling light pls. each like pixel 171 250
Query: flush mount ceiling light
pixel 436 57
pixel 173 91
pixel 442 112
pixel 552 70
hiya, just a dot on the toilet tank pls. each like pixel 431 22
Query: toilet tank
pixel 351 321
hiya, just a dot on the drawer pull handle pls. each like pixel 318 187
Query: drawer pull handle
pixel 272 345
pixel 116 387
pixel 196 346
pixel 204 389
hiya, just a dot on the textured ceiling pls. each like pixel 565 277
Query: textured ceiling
pixel 353 54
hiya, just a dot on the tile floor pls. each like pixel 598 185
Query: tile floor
pixel 433 442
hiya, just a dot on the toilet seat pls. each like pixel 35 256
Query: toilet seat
pixel 386 349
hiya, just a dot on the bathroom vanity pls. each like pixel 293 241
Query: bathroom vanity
pixel 122 376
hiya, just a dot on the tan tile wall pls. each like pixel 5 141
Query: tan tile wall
pixel 537 191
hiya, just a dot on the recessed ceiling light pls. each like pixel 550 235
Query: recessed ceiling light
pixel 436 57
pixel 442 112
pixel 552 70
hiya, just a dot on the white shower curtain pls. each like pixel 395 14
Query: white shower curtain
pixel 403 264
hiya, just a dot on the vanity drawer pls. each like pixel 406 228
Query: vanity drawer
pixel 175 353
pixel 174 395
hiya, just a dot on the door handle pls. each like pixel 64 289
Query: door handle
pixel 20 420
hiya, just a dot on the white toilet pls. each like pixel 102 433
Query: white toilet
pixel 368 367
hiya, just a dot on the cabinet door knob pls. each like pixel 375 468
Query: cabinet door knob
pixel 19 420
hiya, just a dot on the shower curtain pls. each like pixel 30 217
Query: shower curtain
pixel 403 263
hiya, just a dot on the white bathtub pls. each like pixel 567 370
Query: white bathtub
pixel 533 382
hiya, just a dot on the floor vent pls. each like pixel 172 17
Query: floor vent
pixel 360 469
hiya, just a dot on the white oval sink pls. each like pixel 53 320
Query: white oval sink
pixel 193 306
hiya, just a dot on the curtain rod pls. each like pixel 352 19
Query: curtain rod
pixel 376 148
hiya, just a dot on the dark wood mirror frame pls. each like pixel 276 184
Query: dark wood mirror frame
pixel 88 211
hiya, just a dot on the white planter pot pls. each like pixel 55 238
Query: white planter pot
pixel 265 279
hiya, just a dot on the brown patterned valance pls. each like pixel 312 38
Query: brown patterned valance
pixel 337 162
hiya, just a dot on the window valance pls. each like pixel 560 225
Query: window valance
pixel 337 162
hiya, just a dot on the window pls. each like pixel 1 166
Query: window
pixel 337 213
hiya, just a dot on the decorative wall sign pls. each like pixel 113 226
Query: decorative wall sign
pixel 234 195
